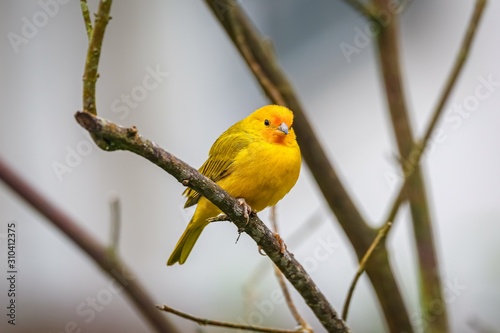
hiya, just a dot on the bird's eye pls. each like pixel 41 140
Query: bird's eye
pixel 266 122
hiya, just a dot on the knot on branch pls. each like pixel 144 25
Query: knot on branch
pixel 132 131
pixel 86 120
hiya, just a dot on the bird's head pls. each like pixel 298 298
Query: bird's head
pixel 274 124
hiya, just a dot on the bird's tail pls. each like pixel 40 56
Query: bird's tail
pixel 185 243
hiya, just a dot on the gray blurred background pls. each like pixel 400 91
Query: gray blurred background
pixel 208 87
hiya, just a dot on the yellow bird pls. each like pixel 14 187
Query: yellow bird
pixel 257 160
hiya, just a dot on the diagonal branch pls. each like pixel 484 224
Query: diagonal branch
pixel 362 264
pixel 210 322
pixel 112 137
pixel 462 56
pixel 273 81
pixel 109 264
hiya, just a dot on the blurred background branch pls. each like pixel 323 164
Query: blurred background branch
pixel 301 322
pixel 430 282
pixel 429 276
pixel 218 323
pixel 115 223
pixel 111 265
pixel 413 159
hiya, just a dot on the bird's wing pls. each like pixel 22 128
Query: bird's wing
pixel 221 156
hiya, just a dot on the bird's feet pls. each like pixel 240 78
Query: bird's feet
pixel 280 241
pixel 247 210
pixel 218 218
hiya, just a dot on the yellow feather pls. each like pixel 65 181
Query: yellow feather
pixel 257 159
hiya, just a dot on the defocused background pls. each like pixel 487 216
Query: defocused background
pixel 200 88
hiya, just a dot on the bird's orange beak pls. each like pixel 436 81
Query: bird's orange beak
pixel 283 128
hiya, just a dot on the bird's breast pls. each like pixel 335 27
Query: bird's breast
pixel 263 173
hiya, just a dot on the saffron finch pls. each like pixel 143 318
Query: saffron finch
pixel 257 160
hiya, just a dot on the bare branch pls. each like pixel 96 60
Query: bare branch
pixel 86 18
pixel 418 149
pixel 462 56
pixel 382 233
pixel 115 221
pixel 112 267
pixel 112 137
pixel 302 232
pixel 209 322
pixel 284 289
pixel 93 54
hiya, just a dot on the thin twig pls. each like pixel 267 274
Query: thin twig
pixel 284 289
pixel 86 18
pixel 274 219
pixel 89 245
pixel 93 54
pixel 110 137
pixel 462 56
pixel 210 322
pixel 305 230
pixel 382 233
pixel 115 221
pixel 418 148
